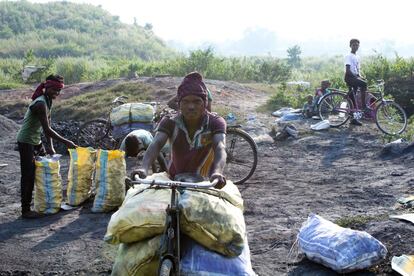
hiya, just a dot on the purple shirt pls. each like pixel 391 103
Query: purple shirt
pixel 196 155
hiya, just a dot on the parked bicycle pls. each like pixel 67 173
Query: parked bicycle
pixel 170 249
pixel 241 149
pixel 339 106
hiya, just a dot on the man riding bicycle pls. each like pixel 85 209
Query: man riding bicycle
pixel 197 137
pixel 353 75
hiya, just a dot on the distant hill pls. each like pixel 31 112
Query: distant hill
pixel 68 29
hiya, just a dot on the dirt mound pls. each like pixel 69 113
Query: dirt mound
pixel 7 127
pixel 68 129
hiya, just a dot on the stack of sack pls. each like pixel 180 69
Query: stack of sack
pixel 212 218
pixel 104 169
pixel 131 116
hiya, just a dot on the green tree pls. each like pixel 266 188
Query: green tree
pixel 148 27
pixel 29 57
pixel 294 56
pixel 6 32
pixel 201 60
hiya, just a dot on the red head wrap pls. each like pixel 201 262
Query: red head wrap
pixel 45 85
pixel 192 84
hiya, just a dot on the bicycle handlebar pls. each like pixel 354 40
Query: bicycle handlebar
pixel 172 183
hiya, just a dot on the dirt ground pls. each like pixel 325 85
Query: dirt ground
pixel 340 174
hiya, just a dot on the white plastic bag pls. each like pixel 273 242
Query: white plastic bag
pixel 341 249
pixel 321 125
pixel 403 264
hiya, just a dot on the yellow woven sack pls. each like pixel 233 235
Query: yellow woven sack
pixel 109 180
pixel 80 176
pixel 211 219
pixel 132 113
pixel 142 215
pixel 48 185
pixel 137 259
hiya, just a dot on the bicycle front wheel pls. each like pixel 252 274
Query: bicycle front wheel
pixel 96 134
pixel 241 155
pixel 335 107
pixel 391 118
pixel 166 268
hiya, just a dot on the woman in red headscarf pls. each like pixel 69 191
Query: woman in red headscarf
pixel 36 119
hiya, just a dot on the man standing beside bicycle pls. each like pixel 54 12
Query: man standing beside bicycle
pixel 197 137
pixel 353 76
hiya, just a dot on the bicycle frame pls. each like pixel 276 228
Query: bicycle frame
pixel 172 234
pixel 339 106
pixel 170 247
pixel 355 110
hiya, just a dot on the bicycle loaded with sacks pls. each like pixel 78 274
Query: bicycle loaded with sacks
pixel 170 249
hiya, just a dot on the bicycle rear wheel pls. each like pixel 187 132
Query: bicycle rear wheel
pixel 96 134
pixel 391 118
pixel 335 107
pixel 241 155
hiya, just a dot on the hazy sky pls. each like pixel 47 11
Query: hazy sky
pixel 296 21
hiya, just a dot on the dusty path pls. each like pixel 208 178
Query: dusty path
pixel 337 173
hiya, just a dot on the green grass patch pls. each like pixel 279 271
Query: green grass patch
pixel 223 111
pixel 97 104
pixel 10 85
pixel 286 96
pixel 359 220
pixel 408 134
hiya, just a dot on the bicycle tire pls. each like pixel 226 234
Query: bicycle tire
pixel 241 152
pixel 390 118
pixel 335 107
pixel 166 268
pixel 96 134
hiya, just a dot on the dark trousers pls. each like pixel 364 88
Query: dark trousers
pixel 355 83
pixel 28 153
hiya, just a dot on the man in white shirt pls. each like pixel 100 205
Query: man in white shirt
pixel 353 75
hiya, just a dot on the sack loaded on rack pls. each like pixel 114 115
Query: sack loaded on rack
pixel 131 116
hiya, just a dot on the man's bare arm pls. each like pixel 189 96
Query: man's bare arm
pixel 219 162
pixel 39 109
pixel 153 151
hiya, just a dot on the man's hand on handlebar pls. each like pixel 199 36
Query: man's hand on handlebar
pixel 221 180
pixel 141 173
